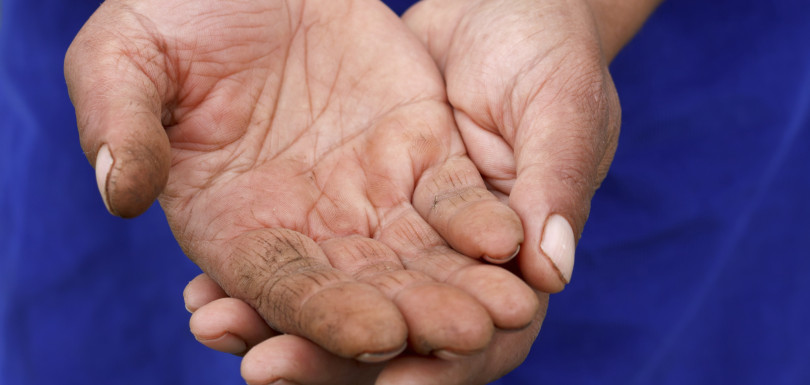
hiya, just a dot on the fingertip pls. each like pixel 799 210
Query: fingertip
pixel 367 325
pixel 443 317
pixel 548 266
pixel 499 261
pixel 186 296
pixel 551 222
pixel 373 358
pixel 449 355
pixel 297 360
pixel 454 200
pixel 431 370
pixel 488 229
pixel 227 324
pixel 539 272
pixel 201 291
pixel 259 364
pixel 226 343
pixel 510 302
pixel 137 175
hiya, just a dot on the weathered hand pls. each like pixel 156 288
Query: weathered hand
pixel 538 111
pixel 230 325
pixel 306 158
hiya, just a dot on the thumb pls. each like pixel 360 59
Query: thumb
pixel 562 153
pixel 110 72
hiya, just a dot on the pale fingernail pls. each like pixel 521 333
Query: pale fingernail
pixel 502 260
pixel 558 245
pixel 380 357
pixel 104 162
pixel 227 343
pixel 185 300
pixel 448 355
pixel 283 382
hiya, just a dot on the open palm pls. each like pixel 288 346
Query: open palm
pixel 306 158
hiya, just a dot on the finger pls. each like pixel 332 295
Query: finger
pixel 201 291
pixel 449 193
pixel 506 352
pixel 510 303
pixel 440 318
pixel 488 150
pixel 229 325
pixel 294 359
pixel 508 300
pixel 454 200
pixel 421 18
pixel 285 276
pixel 113 83
pixel 224 324
pixel 561 157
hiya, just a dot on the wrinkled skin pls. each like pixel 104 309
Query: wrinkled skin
pixel 230 325
pixel 306 159
pixel 535 104
pixel 530 90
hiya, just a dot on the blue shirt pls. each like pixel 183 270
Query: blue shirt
pixel 693 268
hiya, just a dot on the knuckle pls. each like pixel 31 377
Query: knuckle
pixel 410 232
pixel 575 177
pixel 277 271
pixel 585 94
pixel 260 260
pixel 446 203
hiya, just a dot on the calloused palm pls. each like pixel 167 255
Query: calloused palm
pixel 536 106
pixel 306 158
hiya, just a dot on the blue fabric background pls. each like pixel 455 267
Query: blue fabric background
pixel 693 268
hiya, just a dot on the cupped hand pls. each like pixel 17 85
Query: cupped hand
pixel 306 158
pixel 232 326
pixel 537 109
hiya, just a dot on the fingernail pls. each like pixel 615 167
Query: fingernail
pixel 558 245
pixel 227 343
pixel 380 357
pixel 104 162
pixel 283 382
pixel 448 355
pixel 185 299
pixel 502 260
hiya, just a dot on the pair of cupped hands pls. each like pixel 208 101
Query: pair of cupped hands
pixel 351 179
